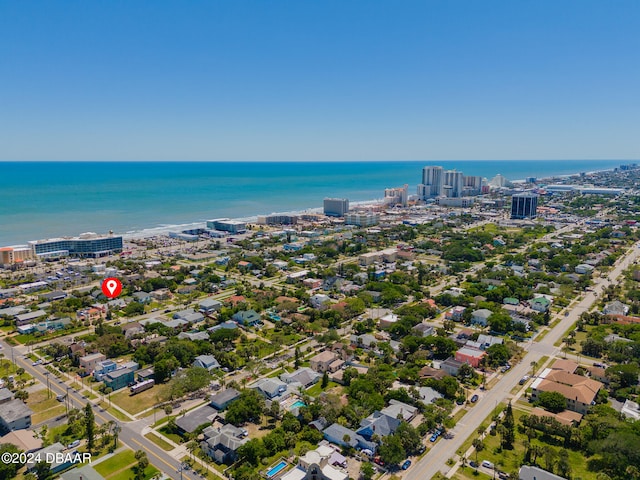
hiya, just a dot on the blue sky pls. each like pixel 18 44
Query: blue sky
pixel 319 80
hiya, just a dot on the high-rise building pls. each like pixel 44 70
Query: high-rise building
pixel 397 196
pixel 336 207
pixel 431 186
pixel 453 183
pixel 524 205
pixel 15 254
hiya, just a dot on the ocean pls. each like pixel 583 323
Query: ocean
pixel 51 199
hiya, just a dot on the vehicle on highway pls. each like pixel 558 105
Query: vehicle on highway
pixel 406 464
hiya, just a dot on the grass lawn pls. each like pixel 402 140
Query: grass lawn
pixel 47 414
pixel 468 473
pixel 116 413
pixel 511 460
pixel 139 402
pixel 128 474
pixel 159 442
pixel 39 402
pixel 459 414
pixel 174 437
pixel 317 388
pixel 117 462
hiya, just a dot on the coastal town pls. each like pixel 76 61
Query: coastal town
pixel 476 329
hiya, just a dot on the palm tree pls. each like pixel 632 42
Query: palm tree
pixel 632 471
pixel 534 367
pixel 479 446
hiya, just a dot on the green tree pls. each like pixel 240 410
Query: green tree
pixel 367 471
pixel 552 401
pixel 143 463
pixel 478 445
pixel 409 437
pixel 510 428
pixel 247 408
pixel 391 450
pixel 90 426
pixel 43 471
pixel 9 470
pixel 325 380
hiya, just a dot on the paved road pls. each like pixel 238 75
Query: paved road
pixel 435 460
pixel 130 433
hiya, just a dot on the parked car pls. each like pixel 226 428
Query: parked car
pixel 406 464
pixel 37 362
pixel 74 444
pixel 524 379
pixel 474 399
pixel 473 464
pixel 421 449
pixel 487 464
pixel 61 398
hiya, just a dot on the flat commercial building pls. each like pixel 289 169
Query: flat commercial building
pixel 227 225
pixel 362 219
pixel 86 246
pixel 336 207
pixel 524 205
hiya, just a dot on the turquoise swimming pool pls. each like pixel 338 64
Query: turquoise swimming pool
pixel 273 471
pixel 298 404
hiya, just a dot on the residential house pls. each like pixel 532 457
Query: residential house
pixel 24 440
pixel 191 421
pixel 131 329
pixel 424 329
pixel 427 372
pixel 318 464
pixel 221 444
pixel 89 362
pixel 322 361
pixel 119 379
pixel 161 294
pixel 472 356
pixel 248 318
pixel 429 395
pixel 366 341
pixel 193 336
pixel 528 472
pixel 189 315
pixel 83 473
pixel 304 376
pixel 580 392
pixel 270 388
pixel 142 297
pixel 584 268
pixel 455 313
pixel 343 436
pixel 378 424
pixel 481 316
pixel 540 304
pixel 56 452
pixel 401 410
pixel 29 317
pixel 486 341
pixel 615 308
pixel 14 415
pixel 221 400
pixel 451 366
pixel 206 361
pixel 319 301
pixel 209 306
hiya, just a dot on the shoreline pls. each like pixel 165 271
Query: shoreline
pixel 160 229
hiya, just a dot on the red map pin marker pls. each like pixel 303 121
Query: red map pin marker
pixel 111 287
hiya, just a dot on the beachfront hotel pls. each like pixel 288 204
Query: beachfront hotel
pixel 87 245
pixel 227 225
pixel 336 207
pixel 15 254
pixel 437 182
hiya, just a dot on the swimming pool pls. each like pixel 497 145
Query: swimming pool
pixel 298 404
pixel 273 471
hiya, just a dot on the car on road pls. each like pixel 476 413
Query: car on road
pixel 474 399
pixel 406 464
pixel 36 363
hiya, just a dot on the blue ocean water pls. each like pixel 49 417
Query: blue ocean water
pixel 49 199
